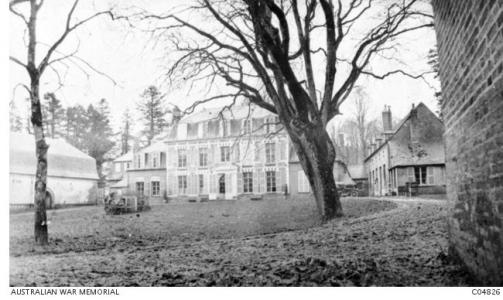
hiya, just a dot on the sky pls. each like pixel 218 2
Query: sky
pixel 134 60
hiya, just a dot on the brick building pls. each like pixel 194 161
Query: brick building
pixel 410 155
pixel 470 46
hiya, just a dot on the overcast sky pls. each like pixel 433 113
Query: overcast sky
pixel 134 62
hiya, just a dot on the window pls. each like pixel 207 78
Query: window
pixel 225 153
pixel 247 126
pixel 201 183
pixel 420 175
pixel 271 181
pixel 410 174
pixel 146 159
pixel 182 158
pixel 140 188
pixel 156 188
pixel 221 184
pixel 182 184
pixel 138 161
pixel 303 183
pixel 270 151
pixel 423 175
pixel 431 178
pixel 225 127
pixel 384 178
pixel 247 182
pixel 270 124
pixel 203 157
pixel 154 162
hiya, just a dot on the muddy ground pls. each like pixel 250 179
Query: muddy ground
pixel 250 243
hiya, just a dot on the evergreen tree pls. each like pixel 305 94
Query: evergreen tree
pixel 99 136
pixel 152 113
pixel 53 115
pixel 75 126
pixel 125 135
pixel 16 125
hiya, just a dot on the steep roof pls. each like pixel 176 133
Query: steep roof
pixel 422 109
pixel 64 160
pixel 210 121
pixel 236 112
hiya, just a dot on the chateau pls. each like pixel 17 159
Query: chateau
pixel 235 153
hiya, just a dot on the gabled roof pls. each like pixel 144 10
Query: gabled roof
pixel 421 106
pixel 63 159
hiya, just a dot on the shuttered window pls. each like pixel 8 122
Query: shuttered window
pixel 182 158
pixel 182 184
pixel 140 188
pixel 203 157
pixel 270 153
pixel 225 153
pixel 248 182
pixel 271 181
pixel 156 188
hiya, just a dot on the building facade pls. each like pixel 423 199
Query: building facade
pixel 240 153
pixel 71 174
pixel 147 175
pixel 117 175
pixel 410 158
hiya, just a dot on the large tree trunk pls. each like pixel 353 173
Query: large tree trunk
pixel 317 156
pixel 41 234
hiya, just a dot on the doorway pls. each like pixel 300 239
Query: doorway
pixel 221 186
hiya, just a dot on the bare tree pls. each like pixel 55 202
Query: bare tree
pixel 361 112
pixel 35 71
pixel 249 47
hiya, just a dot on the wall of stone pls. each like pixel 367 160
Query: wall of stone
pixel 470 42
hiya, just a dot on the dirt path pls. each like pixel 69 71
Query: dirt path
pixel 403 246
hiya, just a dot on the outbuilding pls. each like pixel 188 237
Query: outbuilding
pixel 71 174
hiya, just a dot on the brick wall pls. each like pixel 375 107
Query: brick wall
pixel 470 41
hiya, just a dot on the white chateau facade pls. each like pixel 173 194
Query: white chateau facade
pixel 213 154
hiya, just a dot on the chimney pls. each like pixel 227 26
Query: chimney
pixel 386 119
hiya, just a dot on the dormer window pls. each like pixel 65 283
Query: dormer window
pixel 247 126
pixel 270 124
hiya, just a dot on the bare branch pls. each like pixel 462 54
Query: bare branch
pixel 17 61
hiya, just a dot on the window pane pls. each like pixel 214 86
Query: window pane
pixel 248 182
pixel 417 175
pixel 271 181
